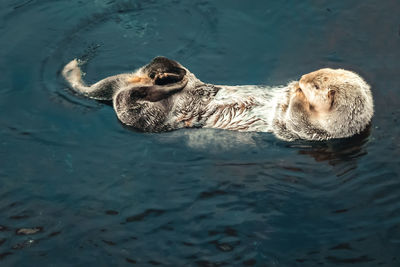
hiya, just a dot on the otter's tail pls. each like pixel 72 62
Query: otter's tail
pixel 102 90
pixel 72 73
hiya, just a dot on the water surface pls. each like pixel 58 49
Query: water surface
pixel 78 188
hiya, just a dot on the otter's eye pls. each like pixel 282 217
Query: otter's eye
pixel 316 86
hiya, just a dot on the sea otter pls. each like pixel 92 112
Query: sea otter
pixel 164 95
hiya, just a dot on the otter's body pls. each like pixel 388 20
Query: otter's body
pixel 164 96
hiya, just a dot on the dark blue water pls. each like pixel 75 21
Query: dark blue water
pixel 77 188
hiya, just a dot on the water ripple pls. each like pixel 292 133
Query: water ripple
pixel 79 188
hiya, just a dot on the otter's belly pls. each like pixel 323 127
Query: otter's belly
pixel 244 108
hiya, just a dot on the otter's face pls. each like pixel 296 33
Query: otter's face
pixel 318 88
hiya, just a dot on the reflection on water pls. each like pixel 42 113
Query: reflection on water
pixel 79 188
pixel 338 150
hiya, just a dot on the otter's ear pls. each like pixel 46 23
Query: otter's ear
pixel 331 96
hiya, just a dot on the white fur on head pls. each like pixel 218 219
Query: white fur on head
pixel 352 108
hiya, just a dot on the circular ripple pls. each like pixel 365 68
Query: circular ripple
pixel 123 37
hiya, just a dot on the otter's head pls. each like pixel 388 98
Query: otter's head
pixel 340 101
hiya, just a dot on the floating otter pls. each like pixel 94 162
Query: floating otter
pixel 164 95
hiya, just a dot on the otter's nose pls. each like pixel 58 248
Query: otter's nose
pixel 301 83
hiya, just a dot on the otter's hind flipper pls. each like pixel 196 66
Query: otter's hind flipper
pixel 159 92
pixel 154 93
pixel 164 71
pixel 146 107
